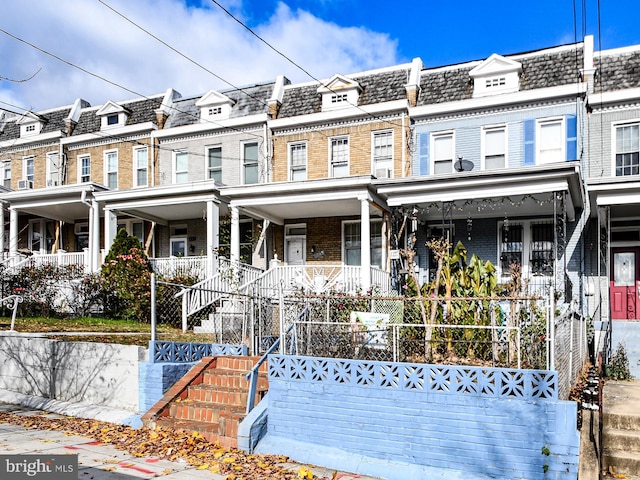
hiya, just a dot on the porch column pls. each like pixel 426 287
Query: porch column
pixel 13 232
pixel 365 245
pixel 235 235
pixel 1 228
pixel 110 229
pixel 94 236
pixel 213 235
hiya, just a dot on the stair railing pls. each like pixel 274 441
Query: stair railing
pixel 252 376
pixel 12 302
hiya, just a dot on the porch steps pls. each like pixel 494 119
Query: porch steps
pixel 210 399
pixel 227 319
pixel 621 428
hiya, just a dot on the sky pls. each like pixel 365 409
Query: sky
pixel 53 52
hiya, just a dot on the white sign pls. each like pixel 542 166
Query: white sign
pixel 369 329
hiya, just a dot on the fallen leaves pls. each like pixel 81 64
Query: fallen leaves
pixel 174 445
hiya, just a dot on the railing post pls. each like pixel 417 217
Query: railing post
pixel 281 318
pixel 184 312
pixel 153 307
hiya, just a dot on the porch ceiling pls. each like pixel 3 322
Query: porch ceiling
pixel 620 194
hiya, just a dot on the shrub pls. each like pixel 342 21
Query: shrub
pixel 618 366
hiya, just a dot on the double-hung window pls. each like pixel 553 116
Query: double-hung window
pixel 339 157
pixel 529 244
pixel 84 168
pixel 214 163
pixel 53 169
pixel 6 174
pixel 443 152
pixel 383 154
pixel 494 147
pixel 111 169
pixel 298 161
pixel 352 241
pixel 28 168
pixel 627 150
pixel 250 163
pixel 180 167
pixel 141 167
pixel 551 141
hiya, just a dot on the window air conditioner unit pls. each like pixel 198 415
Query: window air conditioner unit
pixel 25 184
pixel 383 173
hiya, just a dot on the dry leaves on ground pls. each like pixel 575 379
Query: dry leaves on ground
pixel 190 447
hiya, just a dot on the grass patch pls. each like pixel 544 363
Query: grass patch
pixel 101 330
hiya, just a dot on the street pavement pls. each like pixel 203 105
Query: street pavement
pixel 98 461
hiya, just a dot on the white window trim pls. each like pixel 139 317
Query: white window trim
pixel 432 150
pixel 79 159
pixel 25 161
pixel 330 154
pixel 243 158
pixel 526 247
pixel 174 166
pixel 207 169
pixel 374 167
pixel 5 166
pixel 106 166
pixel 290 145
pixel 136 169
pixel 488 128
pixel 48 172
pixel 343 243
pixel 614 127
pixel 563 142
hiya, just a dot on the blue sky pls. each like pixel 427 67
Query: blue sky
pixel 322 36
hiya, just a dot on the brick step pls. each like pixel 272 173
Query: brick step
pixel 622 421
pixel 627 463
pixel 244 364
pixel 203 412
pixel 232 378
pixel 217 395
pixel 210 431
pixel 621 440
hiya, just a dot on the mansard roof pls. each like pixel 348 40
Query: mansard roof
pixel 377 87
pixel 541 69
pixel 246 101
pixel 140 111
pixel 53 120
pixel 617 69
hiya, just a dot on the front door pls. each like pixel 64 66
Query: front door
pixel 625 283
pixel 295 251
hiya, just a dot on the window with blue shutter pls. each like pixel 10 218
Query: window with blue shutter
pixel 572 138
pixel 423 153
pixel 529 141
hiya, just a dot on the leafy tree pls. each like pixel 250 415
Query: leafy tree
pixel 126 274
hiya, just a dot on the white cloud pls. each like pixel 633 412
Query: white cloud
pixel 88 34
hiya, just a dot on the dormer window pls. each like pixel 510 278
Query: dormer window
pixel 30 125
pixel 214 106
pixel 496 75
pixel 339 92
pixel 112 115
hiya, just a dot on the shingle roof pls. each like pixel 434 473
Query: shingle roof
pixel 377 87
pixel 247 101
pixel 546 69
pixel 53 121
pixel 617 71
pixel 140 111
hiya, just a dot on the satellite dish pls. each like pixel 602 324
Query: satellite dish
pixel 462 165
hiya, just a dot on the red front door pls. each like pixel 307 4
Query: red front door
pixel 625 284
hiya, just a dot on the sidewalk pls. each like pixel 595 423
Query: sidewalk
pixel 98 461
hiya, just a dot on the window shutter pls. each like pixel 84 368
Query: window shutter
pixel 423 153
pixel 572 138
pixel 530 141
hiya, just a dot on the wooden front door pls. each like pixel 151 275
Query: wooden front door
pixel 625 283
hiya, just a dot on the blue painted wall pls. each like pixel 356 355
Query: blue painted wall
pixel 401 418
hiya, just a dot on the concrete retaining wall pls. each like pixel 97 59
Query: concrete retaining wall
pixel 94 373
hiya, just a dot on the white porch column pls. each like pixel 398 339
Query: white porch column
pixel 13 232
pixel 110 229
pixel 365 244
pixel 94 236
pixel 213 235
pixel 1 228
pixel 235 235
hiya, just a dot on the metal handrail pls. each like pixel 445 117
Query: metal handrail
pixel 12 302
pixel 252 376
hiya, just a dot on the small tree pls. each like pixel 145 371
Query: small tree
pixel 126 274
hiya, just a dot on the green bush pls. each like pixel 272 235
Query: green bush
pixel 618 366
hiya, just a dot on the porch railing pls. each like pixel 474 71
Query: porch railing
pixel 180 266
